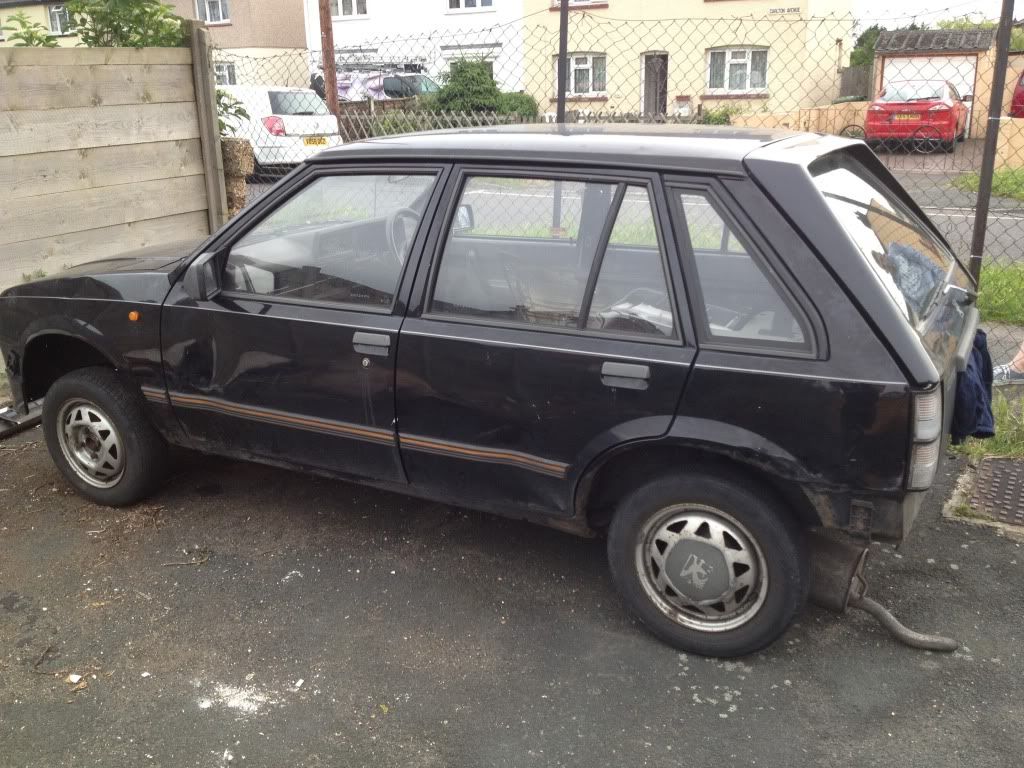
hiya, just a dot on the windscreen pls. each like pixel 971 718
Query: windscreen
pixel 917 90
pixel 297 103
pixel 909 259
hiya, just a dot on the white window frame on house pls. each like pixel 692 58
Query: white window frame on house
pixel 742 58
pixel 60 29
pixel 470 6
pixel 224 73
pixel 575 64
pixel 338 9
pixel 204 12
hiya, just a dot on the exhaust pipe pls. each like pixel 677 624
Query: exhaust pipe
pixel 838 583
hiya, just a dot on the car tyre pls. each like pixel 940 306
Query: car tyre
pixel 101 439
pixel 713 533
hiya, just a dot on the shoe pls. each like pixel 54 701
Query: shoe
pixel 1006 374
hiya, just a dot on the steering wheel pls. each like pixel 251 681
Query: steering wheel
pixel 397 234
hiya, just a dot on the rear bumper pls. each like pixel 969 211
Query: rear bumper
pixel 290 151
pixel 888 518
pixel 909 130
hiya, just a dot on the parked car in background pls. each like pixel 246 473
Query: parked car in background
pixel 922 115
pixel 285 125
pixel 699 342
pixel 377 84
pixel 1017 104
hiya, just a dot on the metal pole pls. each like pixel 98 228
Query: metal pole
pixel 988 157
pixel 563 58
pixel 327 57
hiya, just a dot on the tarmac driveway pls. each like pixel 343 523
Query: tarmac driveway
pixel 250 616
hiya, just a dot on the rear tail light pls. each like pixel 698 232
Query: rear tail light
pixel 876 108
pixel 927 415
pixel 939 108
pixel 924 460
pixel 924 455
pixel 274 125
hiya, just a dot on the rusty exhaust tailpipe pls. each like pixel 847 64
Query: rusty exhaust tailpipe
pixel 837 583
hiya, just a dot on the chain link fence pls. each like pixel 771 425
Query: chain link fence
pixel 921 102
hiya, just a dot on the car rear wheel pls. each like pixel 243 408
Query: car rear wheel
pixel 709 562
pixel 100 437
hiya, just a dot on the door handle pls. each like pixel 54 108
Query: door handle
pixel 625 375
pixel 378 344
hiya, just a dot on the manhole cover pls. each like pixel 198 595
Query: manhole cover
pixel 999 490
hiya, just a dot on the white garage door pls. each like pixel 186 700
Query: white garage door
pixel 959 70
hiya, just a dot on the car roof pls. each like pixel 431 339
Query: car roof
pixel 647 145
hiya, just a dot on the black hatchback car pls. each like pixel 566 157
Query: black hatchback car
pixel 701 342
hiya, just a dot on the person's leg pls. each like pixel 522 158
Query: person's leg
pixel 1011 372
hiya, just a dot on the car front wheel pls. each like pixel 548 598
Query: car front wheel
pixel 100 437
pixel 709 562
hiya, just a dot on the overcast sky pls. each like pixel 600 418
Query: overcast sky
pixel 896 13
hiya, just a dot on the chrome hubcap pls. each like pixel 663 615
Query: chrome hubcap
pixel 701 568
pixel 90 443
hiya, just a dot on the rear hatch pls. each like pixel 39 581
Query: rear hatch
pixel 303 113
pixel 931 289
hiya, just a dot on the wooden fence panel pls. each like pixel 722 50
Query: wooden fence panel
pixel 101 150
pixel 855 81
pixel 94 85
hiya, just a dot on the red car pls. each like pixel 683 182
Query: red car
pixel 1017 105
pixel 923 115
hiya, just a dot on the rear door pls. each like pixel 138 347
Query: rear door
pixel 548 332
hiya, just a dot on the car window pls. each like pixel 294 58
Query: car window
pixel 525 208
pixel 520 250
pixel 908 259
pixel 340 239
pixel 954 91
pixel 297 103
pixel 741 303
pixel 631 294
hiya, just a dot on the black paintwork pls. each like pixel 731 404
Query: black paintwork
pixel 519 420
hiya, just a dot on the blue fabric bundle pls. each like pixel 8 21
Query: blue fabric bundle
pixel 972 412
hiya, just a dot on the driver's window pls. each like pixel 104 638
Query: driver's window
pixel 340 239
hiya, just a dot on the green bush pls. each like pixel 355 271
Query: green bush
pixel 521 104
pixel 468 88
pixel 126 23
pixel 24 32
pixel 718 115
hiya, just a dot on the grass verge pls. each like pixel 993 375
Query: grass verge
pixel 5 389
pixel 1002 293
pixel 1009 439
pixel 1006 182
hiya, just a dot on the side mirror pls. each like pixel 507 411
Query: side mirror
pixel 464 220
pixel 967 98
pixel 201 281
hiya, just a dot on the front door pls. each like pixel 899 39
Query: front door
pixel 294 360
pixel 548 331
pixel 655 84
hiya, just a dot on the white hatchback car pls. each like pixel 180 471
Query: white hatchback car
pixel 286 126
